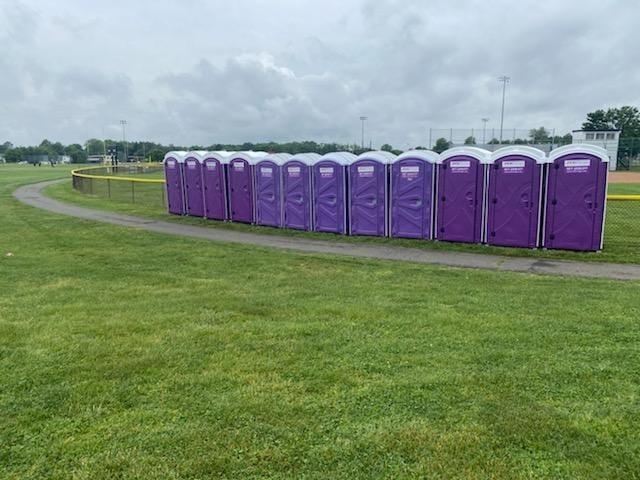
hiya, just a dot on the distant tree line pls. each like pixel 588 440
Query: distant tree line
pixel 155 152
pixel 626 119
pixel 55 150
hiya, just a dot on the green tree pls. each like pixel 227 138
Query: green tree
pixel 157 154
pixel 596 120
pixel 626 119
pixel 77 153
pixel 539 135
pixel 95 146
pixel 441 145
pixel 493 141
pixel 13 155
pixel 471 140
pixel 386 147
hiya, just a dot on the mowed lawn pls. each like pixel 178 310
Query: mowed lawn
pixel 125 354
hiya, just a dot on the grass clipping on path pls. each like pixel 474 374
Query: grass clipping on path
pixel 125 354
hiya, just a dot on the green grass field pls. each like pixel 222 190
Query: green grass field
pixel 624 188
pixel 126 354
pixel 622 232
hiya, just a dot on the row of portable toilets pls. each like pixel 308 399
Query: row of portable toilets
pixel 516 196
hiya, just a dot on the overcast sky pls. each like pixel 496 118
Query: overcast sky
pixel 207 71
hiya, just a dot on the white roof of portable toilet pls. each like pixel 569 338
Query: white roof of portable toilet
pixel 199 155
pixel 426 155
pixel 579 148
pixel 377 155
pixel 484 156
pixel 343 158
pixel 221 155
pixel 277 158
pixel 306 158
pixel 178 155
pixel 534 153
pixel 249 156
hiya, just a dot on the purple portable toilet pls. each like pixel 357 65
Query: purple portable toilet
pixel 461 184
pixel 369 193
pixel 240 185
pixel 297 199
pixel 214 181
pixel 576 197
pixel 193 191
pixel 330 192
pixel 411 200
pixel 268 189
pixel 174 182
pixel 514 197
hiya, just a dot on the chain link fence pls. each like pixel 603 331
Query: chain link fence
pixel 622 223
pixel 492 138
pixel 139 184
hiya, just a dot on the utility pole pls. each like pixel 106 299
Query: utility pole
pixel 504 79
pixel 362 119
pixel 124 139
pixel 484 130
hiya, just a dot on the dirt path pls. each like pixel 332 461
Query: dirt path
pixel 32 195
pixel 624 177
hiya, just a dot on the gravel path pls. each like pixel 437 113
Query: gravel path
pixel 32 195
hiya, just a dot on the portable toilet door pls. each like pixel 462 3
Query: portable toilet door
pixel 240 184
pixel 413 177
pixel 576 197
pixel 514 197
pixel 330 192
pixel 461 182
pixel 214 185
pixel 174 182
pixel 268 194
pixel 193 190
pixel 369 193
pixel 297 199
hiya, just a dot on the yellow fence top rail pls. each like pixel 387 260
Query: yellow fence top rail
pixel 81 174
pixel 626 198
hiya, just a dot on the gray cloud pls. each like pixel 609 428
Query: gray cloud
pixel 206 72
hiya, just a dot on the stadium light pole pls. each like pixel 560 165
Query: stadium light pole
pixel 362 119
pixel 504 79
pixel 124 139
pixel 484 130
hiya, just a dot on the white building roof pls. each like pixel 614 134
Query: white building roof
pixel 538 155
pixel 426 155
pixel 343 158
pixel 579 148
pixel 377 155
pixel 484 156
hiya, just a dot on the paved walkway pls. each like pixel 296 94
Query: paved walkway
pixel 32 195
